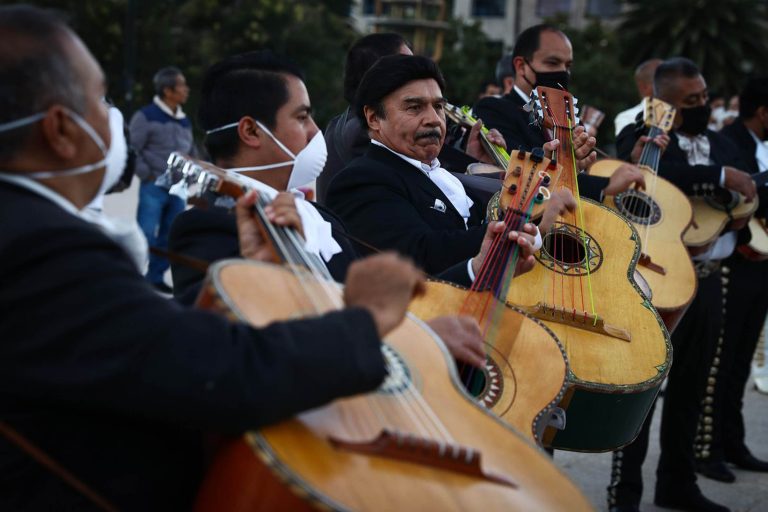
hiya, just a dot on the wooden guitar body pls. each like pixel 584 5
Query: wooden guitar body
pixel 757 248
pixel 617 360
pixel 337 457
pixel 661 221
pixel 711 215
pixel 525 374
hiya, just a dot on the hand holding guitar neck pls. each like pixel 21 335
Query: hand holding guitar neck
pixel 281 212
pixel 383 284
pixel 478 149
pixel 583 147
pixel 661 140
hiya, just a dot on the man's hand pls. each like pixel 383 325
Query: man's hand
pixel 560 202
pixel 462 336
pixel 741 182
pixel 383 284
pixel 475 147
pixel 583 148
pixel 524 240
pixel 660 140
pixel 624 177
pixel 281 212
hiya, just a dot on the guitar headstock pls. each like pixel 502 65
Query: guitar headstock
pixel 460 115
pixel 658 114
pixel 555 108
pixel 530 178
pixel 203 182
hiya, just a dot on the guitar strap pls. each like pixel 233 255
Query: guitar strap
pixel 54 467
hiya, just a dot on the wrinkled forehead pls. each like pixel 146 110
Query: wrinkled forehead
pixel 426 89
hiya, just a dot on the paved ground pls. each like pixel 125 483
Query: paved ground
pixel 749 493
pixel 591 471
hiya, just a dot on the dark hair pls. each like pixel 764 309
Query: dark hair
pixel 529 40
pixel 504 68
pixel 753 96
pixel 35 70
pixel 165 79
pixel 389 74
pixel 363 54
pixel 669 71
pixel 249 84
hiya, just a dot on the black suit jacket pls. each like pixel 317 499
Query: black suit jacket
pixel 673 165
pixel 739 134
pixel 390 204
pixel 115 382
pixel 506 114
pixel 211 235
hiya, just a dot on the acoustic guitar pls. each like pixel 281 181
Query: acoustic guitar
pixel 524 377
pixel 661 214
pixel 757 247
pixel 717 209
pixel 417 443
pixel 583 289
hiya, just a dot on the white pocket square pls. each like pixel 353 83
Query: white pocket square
pixel 439 206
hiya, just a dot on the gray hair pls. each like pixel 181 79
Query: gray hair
pixel 35 70
pixel 165 79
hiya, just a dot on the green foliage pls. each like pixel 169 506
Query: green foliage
pixel 599 77
pixel 193 34
pixel 468 59
pixel 725 39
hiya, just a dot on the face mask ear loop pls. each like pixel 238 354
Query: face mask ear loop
pixel 90 131
pixel 12 125
pixel 280 144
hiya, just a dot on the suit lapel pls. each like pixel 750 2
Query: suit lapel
pixel 413 177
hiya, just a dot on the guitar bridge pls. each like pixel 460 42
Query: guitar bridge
pixel 426 452
pixel 645 261
pixel 578 319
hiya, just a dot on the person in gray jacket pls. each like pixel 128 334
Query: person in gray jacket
pixel 156 131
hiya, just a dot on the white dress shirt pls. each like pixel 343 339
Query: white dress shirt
pixel 627 117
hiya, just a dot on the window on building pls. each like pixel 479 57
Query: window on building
pixel 604 8
pixel 369 7
pixel 489 7
pixel 549 8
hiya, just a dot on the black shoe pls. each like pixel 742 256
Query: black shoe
pixel 749 462
pixel 624 508
pixel 162 287
pixel 716 470
pixel 692 501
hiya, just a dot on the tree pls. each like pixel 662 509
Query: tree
pixel 725 39
pixel 468 59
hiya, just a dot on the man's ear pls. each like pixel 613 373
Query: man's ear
pixel 61 132
pixel 374 123
pixel 250 134
pixel 518 63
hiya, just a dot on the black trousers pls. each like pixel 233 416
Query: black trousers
pixel 721 430
pixel 693 344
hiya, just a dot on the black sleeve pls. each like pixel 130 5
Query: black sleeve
pixel 493 113
pixel 208 235
pixel 377 211
pixel 591 187
pixel 457 274
pixel 81 328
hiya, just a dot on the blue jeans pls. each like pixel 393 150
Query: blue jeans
pixel 157 209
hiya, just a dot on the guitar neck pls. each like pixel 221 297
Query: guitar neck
pixel 566 157
pixel 651 152
pixel 499 155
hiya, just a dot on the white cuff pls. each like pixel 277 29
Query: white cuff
pixel 722 177
pixel 537 243
pixel 470 272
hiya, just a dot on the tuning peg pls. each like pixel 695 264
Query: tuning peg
pixel 537 155
pixel 575 100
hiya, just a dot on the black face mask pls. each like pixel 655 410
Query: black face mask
pixel 695 119
pixel 552 79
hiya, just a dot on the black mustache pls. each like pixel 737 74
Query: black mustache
pixel 428 134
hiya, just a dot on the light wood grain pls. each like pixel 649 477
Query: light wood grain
pixel 709 222
pixel 298 450
pixel 662 241
pixel 531 359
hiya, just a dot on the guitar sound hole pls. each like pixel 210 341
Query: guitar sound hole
pixel 564 248
pixel 637 206
pixel 474 381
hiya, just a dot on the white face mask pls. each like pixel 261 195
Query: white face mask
pixel 307 164
pixel 114 157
